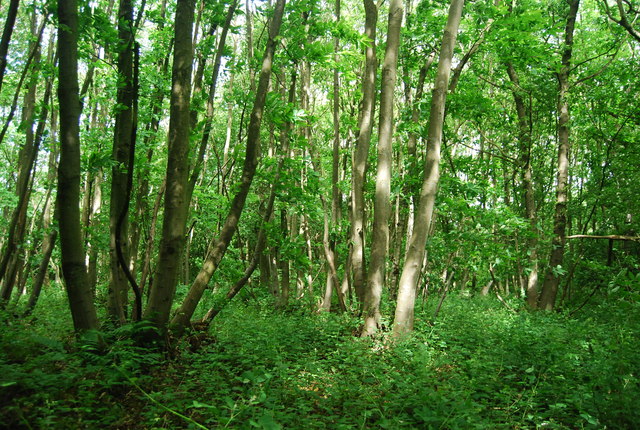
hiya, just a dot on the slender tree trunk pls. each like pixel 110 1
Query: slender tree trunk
pixel 9 24
pixel 257 253
pixel 307 135
pixel 13 258
pixel 283 261
pixel 26 71
pixel 195 173
pixel 142 194
pixel 524 136
pixel 74 269
pixel 146 262
pixel 93 248
pixel 48 244
pixel 336 197
pixel 122 141
pixel 403 321
pixel 175 201
pixel 218 247
pixel 552 278
pixel 382 204
pixel 365 127
pixel 249 27
pixel 26 165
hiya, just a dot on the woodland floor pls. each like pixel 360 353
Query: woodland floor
pixel 478 366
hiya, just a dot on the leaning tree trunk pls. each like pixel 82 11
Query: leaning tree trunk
pixel 403 321
pixel 218 246
pixel 9 24
pixel 365 126
pixel 206 132
pixel 26 166
pixel 51 233
pixel 175 201
pixel 74 269
pixel 552 278
pixel 382 204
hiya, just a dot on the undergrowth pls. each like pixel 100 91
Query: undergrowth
pixel 478 366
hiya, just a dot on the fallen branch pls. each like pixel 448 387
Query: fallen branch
pixel 610 237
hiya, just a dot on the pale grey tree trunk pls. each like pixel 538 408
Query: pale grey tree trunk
pixel 382 203
pixel 403 320
pixel 361 154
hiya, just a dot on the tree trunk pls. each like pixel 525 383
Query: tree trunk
pixel 146 262
pixel 365 126
pixel 9 24
pixel 382 204
pixel 34 52
pixel 524 136
pixel 26 164
pixel 47 249
pixel 122 141
pixel 175 201
pixel 142 194
pixel 552 278
pixel 218 247
pixel 336 197
pixel 403 320
pixel 283 261
pixel 195 173
pixel 74 269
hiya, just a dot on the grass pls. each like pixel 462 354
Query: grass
pixel 478 366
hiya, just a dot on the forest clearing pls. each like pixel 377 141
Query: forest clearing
pixel 304 214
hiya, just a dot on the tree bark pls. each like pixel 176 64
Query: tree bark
pixel 9 24
pixel 26 166
pixel 382 203
pixel 122 141
pixel 556 257
pixel 175 201
pixel 283 262
pixel 524 137
pixel 142 194
pixel 74 269
pixel 403 320
pixel 206 133
pixel 218 246
pixel 26 161
pixel 365 127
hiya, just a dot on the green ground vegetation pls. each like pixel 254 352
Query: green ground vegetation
pixel 480 365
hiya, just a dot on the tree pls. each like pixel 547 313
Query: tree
pixel 382 204
pixel 524 137
pixel 403 320
pixel 552 278
pixel 9 24
pixel 175 200
pixel 365 126
pixel 219 245
pixel 74 269
pixel 122 143
pixel 625 8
